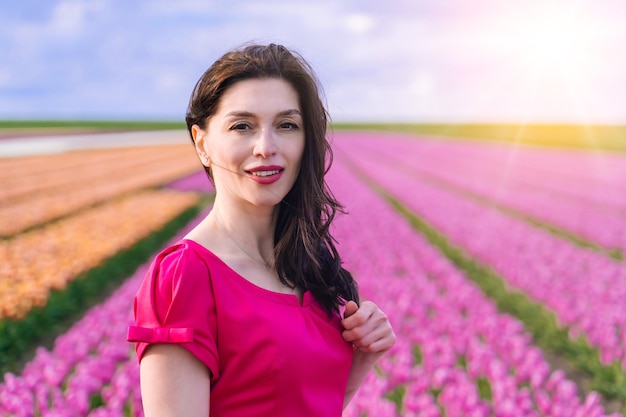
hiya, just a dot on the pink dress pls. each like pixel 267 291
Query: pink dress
pixel 268 354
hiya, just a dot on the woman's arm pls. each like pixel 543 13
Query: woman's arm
pixel 174 383
pixel 370 332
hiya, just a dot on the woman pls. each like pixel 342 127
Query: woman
pixel 242 316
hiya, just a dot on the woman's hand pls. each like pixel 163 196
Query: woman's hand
pixel 370 332
pixel 367 328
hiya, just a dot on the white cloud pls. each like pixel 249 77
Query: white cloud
pixel 69 18
pixel 169 8
pixel 167 81
pixel 422 85
pixel 359 23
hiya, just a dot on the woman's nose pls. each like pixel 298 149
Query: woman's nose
pixel 265 145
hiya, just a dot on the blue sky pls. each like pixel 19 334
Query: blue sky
pixel 398 60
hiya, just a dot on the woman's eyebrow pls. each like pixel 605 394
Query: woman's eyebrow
pixel 243 113
pixel 240 113
pixel 290 112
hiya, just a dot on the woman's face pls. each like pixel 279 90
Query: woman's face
pixel 254 142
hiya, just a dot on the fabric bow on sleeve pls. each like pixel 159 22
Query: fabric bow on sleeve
pixel 160 334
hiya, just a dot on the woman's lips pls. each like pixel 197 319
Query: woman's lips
pixel 265 174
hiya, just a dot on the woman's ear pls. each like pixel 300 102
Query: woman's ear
pixel 194 132
pixel 199 140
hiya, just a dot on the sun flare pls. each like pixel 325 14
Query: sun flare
pixel 551 58
pixel 553 41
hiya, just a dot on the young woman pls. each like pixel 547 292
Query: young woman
pixel 242 316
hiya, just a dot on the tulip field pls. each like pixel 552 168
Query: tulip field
pixel 501 268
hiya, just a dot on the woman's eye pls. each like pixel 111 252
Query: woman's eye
pixel 240 127
pixel 288 126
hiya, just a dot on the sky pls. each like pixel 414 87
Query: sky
pixel 521 61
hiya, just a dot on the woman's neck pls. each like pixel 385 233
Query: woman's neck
pixel 252 231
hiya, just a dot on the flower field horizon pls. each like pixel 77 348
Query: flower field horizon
pixel 500 267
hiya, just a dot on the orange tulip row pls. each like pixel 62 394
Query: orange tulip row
pixel 35 262
pixel 38 189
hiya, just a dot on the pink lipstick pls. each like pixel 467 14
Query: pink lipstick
pixel 265 174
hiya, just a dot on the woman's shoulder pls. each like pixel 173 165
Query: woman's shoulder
pixel 184 263
pixel 186 252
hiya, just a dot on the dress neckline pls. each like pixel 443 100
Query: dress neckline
pixel 291 299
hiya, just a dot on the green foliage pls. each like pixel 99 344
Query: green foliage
pixel 484 389
pixel 435 393
pixel 580 241
pixel 128 409
pixel 18 338
pixel 461 361
pixel 417 355
pixel 396 396
pixel 96 401
pixel 92 124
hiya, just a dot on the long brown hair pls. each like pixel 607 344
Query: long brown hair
pixel 304 249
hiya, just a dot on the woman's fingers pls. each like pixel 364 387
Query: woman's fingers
pixel 351 308
pixel 368 328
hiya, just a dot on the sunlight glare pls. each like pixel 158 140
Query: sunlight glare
pixel 556 42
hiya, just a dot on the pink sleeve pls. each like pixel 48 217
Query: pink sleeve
pixel 175 304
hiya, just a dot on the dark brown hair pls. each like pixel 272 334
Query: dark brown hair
pixel 304 248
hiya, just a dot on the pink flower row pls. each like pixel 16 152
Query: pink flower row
pixel 584 288
pixel 591 175
pixel 91 360
pixel 461 339
pixel 197 181
pixel 580 192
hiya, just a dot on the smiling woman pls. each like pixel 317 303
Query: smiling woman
pixel 244 315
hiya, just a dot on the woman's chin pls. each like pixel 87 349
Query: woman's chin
pixel 266 201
